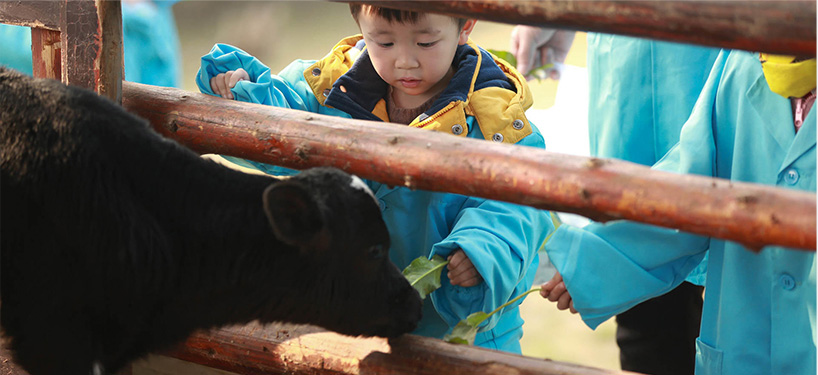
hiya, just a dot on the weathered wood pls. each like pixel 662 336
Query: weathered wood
pixel 786 27
pixel 293 349
pixel 87 29
pixel 89 46
pixel 751 214
pixel 109 79
pixel 45 53
pixel 41 14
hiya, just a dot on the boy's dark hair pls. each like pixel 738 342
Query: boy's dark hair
pixel 390 14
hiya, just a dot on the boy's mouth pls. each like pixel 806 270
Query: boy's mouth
pixel 409 82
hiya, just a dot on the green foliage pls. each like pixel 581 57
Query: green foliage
pixel 540 72
pixel 424 274
pixel 505 55
pixel 465 330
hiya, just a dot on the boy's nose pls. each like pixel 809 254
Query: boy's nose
pixel 406 61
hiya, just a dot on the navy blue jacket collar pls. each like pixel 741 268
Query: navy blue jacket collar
pixel 365 88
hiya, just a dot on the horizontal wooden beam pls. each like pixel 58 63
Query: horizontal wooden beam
pixel 293 349
pixel 785 27
pixel 601 189
pixel 39 14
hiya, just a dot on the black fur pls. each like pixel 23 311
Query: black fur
pixel 117 242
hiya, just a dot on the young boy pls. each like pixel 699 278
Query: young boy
pixel 753 122
pixel 423 71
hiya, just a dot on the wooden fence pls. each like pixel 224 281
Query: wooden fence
pixel 80 42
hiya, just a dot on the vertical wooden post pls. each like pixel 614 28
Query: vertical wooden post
pixel 109 83
pixel 91 41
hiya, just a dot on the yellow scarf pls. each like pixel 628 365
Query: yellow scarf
pixel 787 78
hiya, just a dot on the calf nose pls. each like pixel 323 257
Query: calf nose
pixel 408 307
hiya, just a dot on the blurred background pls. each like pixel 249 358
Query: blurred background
pixel 279 32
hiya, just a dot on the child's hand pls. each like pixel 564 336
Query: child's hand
pixel 556 291
pixel 223 82
pixel 462 271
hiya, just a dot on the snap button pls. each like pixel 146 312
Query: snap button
pixel 457 129
pixel 497 137
pixel 326 92
pixel 791 177
pixel 787 282
pixel 517 124
pixel 316 72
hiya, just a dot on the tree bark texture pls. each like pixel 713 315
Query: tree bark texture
pixel 303 349
pixel 601 189
pixel 784 27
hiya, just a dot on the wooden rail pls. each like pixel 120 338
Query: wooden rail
pixel 786 27
pixel 602 189
pixel 79 42
pixel 301 349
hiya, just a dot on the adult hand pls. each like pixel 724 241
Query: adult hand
pixel 536 46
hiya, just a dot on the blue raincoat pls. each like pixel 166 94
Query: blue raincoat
pixel 485 99
pixel 759 309
pixel 642 91
pixel 15 48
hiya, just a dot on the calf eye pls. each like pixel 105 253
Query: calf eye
pixel 376 252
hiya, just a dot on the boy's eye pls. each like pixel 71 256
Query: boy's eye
pixel 385 44
pixel 426 44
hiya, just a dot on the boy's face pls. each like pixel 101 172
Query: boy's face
pixel 414 58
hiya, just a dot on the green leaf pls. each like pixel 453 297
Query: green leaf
pixel 505 55
pixel 466 330
pixel 424 274
pixel 540 72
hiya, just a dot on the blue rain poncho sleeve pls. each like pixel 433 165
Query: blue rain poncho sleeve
pixel 501 239
pixel 609 268
pixel 286 90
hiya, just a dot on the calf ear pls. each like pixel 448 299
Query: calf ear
pixel 293 212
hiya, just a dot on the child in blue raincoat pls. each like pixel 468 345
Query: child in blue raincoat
pixel 754 122
pixel 420 70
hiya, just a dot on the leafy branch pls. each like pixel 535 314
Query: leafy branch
pixel 466 330
pixel 424 275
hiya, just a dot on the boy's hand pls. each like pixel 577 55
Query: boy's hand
pixel 555 291
pixel 223 82
pixel 462 271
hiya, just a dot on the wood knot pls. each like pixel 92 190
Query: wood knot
pixel 747 199
pixel 302 152
pixel 172 126
pixel 594 163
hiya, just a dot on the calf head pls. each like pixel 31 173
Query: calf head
pixel 335 222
